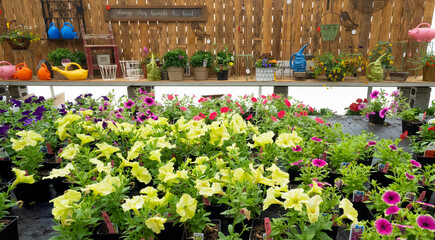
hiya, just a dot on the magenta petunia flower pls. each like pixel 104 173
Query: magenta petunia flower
pixel 383 112
pixel 318 162
pixel 316 139
pixel 425 204
pixel 383 227
pixel 395 93
pixel 297 148
pixel 426 222
pixel 296 163
pixel 391 197
pixel 372 143
pixel 150 101
pixel 415 163
pixel 374 94
pixel 393 147
pixel 392 210
pixel 403 228
pixel 129 104
pixel 409 176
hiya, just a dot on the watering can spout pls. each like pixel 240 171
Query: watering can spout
pixel 301 51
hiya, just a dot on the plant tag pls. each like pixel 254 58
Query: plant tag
pixel 422 195
pixel 424 116
pixel 324 155
pixel 198 236
pixel 265 237
pixel 410 196
pixel 430 150
pixel 206 201
pixel 112 163
pixel 58 158
pixel 344 164
pixel 338 183
pixel 383 168
pixel 268 228
pixel 409 206
pixel 357 196
pixel 356 231
pixel 109 224
pixel 49 149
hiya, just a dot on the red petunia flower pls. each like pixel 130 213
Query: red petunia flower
pixel 287 103
pixel 170 97
pixel 404 135
pixel 249 117
pixel 281 114
pixel 202 115
pixel 212 115
pixel 253 99
pixel 183 108
pixel 431 128
pixel 274 118
pixel 225 109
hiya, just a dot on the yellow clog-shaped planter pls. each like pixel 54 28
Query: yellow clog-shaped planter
pixel 78 74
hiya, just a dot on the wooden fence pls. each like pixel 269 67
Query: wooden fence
pixel 280 27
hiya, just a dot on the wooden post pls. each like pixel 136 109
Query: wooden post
pixel 281 90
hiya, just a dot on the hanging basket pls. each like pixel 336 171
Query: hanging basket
pixel 329 31
pixel 369 6
pixel 19 44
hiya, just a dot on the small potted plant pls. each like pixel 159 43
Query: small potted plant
pixel 265 68
pixel 201 62
pixel 224 60
pixel 62 56
pixel 355 108
pixel 336 67
pixel 175 61
pixel 397 74
pixel 19 37
pixel 427 63
pixel 146 59
pixel 380 106
pixel 409 116
pixel 387 61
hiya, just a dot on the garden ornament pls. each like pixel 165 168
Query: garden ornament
pixel 47 64
pixel 44 73
pixel 78 74
pixel 23 72
pixel 68 31
pixel 153 71
pixel 53 32
pixel 7 71
pixel 422 34
pixel 299 64
pixel 375 71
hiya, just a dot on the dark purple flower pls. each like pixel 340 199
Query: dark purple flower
pixel 4 130
pixel 97 120
pixel 39 100
pixel 119 116
pixel 383 112
pixel 297 148
pixel 39 111
pixel 63 111
pixel 15 103
pixel 3 111
pixel 26 120
pixel 391 197
pixel 26 113
pixel 29 99
pixel 105 98
pixel 88 95
pixel 150 101
pixel 142 117
pixel 129 104
pixel 426 222
pixel 104 125
pixel 374 94
pixel 393 147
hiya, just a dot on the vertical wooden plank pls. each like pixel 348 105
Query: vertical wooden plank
pixel 192 46
pixel 258 27
pixel 117 34
pixel 230 29
pixel 154 35
pixel 325 19
pixel 180 37
pixel 144 38
pixel 296 30
pixel 377 22
pixel 209 28
pixel 385 28
pixel 316 36
pixel 397 21
pixel 428 11
pixel 219 23
pixel 238 32
pixel 277 26
pixel 249 25
pixel 364 29
pixel 286 29
pixel 267 26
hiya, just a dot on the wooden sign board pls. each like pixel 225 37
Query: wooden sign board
pixel 197 13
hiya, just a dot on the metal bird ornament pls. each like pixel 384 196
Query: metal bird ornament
pixel 199 32
pixel 347 21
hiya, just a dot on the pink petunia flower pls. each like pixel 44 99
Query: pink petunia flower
pixel 129 104
pixel 415 163
pixel 183 108
pixel 212 116
pixel 383 227
pixel 197 118
pixel 281 114
pixel 225 109
pixel 403 228
pixel 374 94
pixel 296 163
pixel 316 139
pixel 253 99
pixel 426 222
pixel 392 210
pixel 318 162
pixel 297 148
pixel 319 120
pixel 273 118
pixel 391 197
pixel 287 103
pixel 383 112
pixel 249 117
pixel 372 143
pixel 393 147
pixel 409 176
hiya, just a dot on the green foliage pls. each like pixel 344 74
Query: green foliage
pixel 197 60
pixel 175 58
pixel 57 55
pixel 224 60
pixel 379 50
pixel 20 32
pixel 354 177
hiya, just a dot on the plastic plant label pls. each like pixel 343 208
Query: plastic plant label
pixel 109 224
pixel 409 206
pixel 356 231
pixel 383 168
pixel 424 116
pixel 206 201
pixel 430 150
pixel 59 160
pixel 49 149
pixel 357 196
pixel 268 228
pixel 410 196
pixel 338 183
pixel 344 164
pixel 198 236
pixel 422 195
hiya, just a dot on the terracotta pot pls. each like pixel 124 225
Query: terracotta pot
pixel 175 73
pixel 428 73
pixel 200 73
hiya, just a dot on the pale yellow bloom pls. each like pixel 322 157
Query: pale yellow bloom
pixel 280 177
pixel 315 189
pixel 61 172
pixel 186 207
pixel 155 155
pixel 28 138
pixel 237 124
pixel 63 206
pixel 21 177
pixel 101 167
pixel 270 199
pixel 348 210
pixel 156 224
pixel 287 140
pixel 105 187
pixel 295 198
pixel 218 134
pixel 135 150
pixel 85 138
pixel 106 149
pixel 134 204
pixel 241 175
pixel 313 208
pixel 70 151
pixel 140 173
pixel 262 139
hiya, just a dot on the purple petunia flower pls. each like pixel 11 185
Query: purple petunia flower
pixel 39 111
pixel 142 91
pixel 119 116
pixel 104 125
pixel 393 147
pixel 403 228
pixel 4 130
pixel 63 111
pixel 39 100
pixel 155 118
pixel 391 197
pixel 150 101
pixel 383 226
pixel 318 162
pixel 409 176
pixel 29 99
pixel 3 111
pixel 180 57
pixel 426 222
pixel 88 95
pixel 372 143
pixel 415 163
pixel 105 98
pixel 374 94
pixel 129 104
pixel 392 210
pixel 383 112
pixel 297 148
pixel 15 103
pixel 26 113
pixel 395 93
pixel 316 139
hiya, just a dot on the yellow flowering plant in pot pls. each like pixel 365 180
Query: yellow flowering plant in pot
pixel 19 37
pixel 336 67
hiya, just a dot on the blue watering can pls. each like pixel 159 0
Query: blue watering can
pixel 68 31
pixel 53 32
pixel 299 64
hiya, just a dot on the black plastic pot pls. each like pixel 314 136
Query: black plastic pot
pixel 364 214
pixel 222 75
pixel 376 119
pixel 331 177
pixel 6 173
pixel 10 231
pixel 294 173
pixel 333 233
pixel 50 163
pixel 424 160
pixel 215 211
pixel 411 127
pixel 187 235
pixel 171 232
pixel 36 192
pixel 380 178
pixel 102 234
pixel 238 228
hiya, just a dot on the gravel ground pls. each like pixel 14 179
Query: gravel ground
pixel 35 222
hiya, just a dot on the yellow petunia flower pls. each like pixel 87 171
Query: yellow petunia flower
pixel 156 224
pixel 186 207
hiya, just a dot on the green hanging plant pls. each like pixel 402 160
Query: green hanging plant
pixel 153 71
